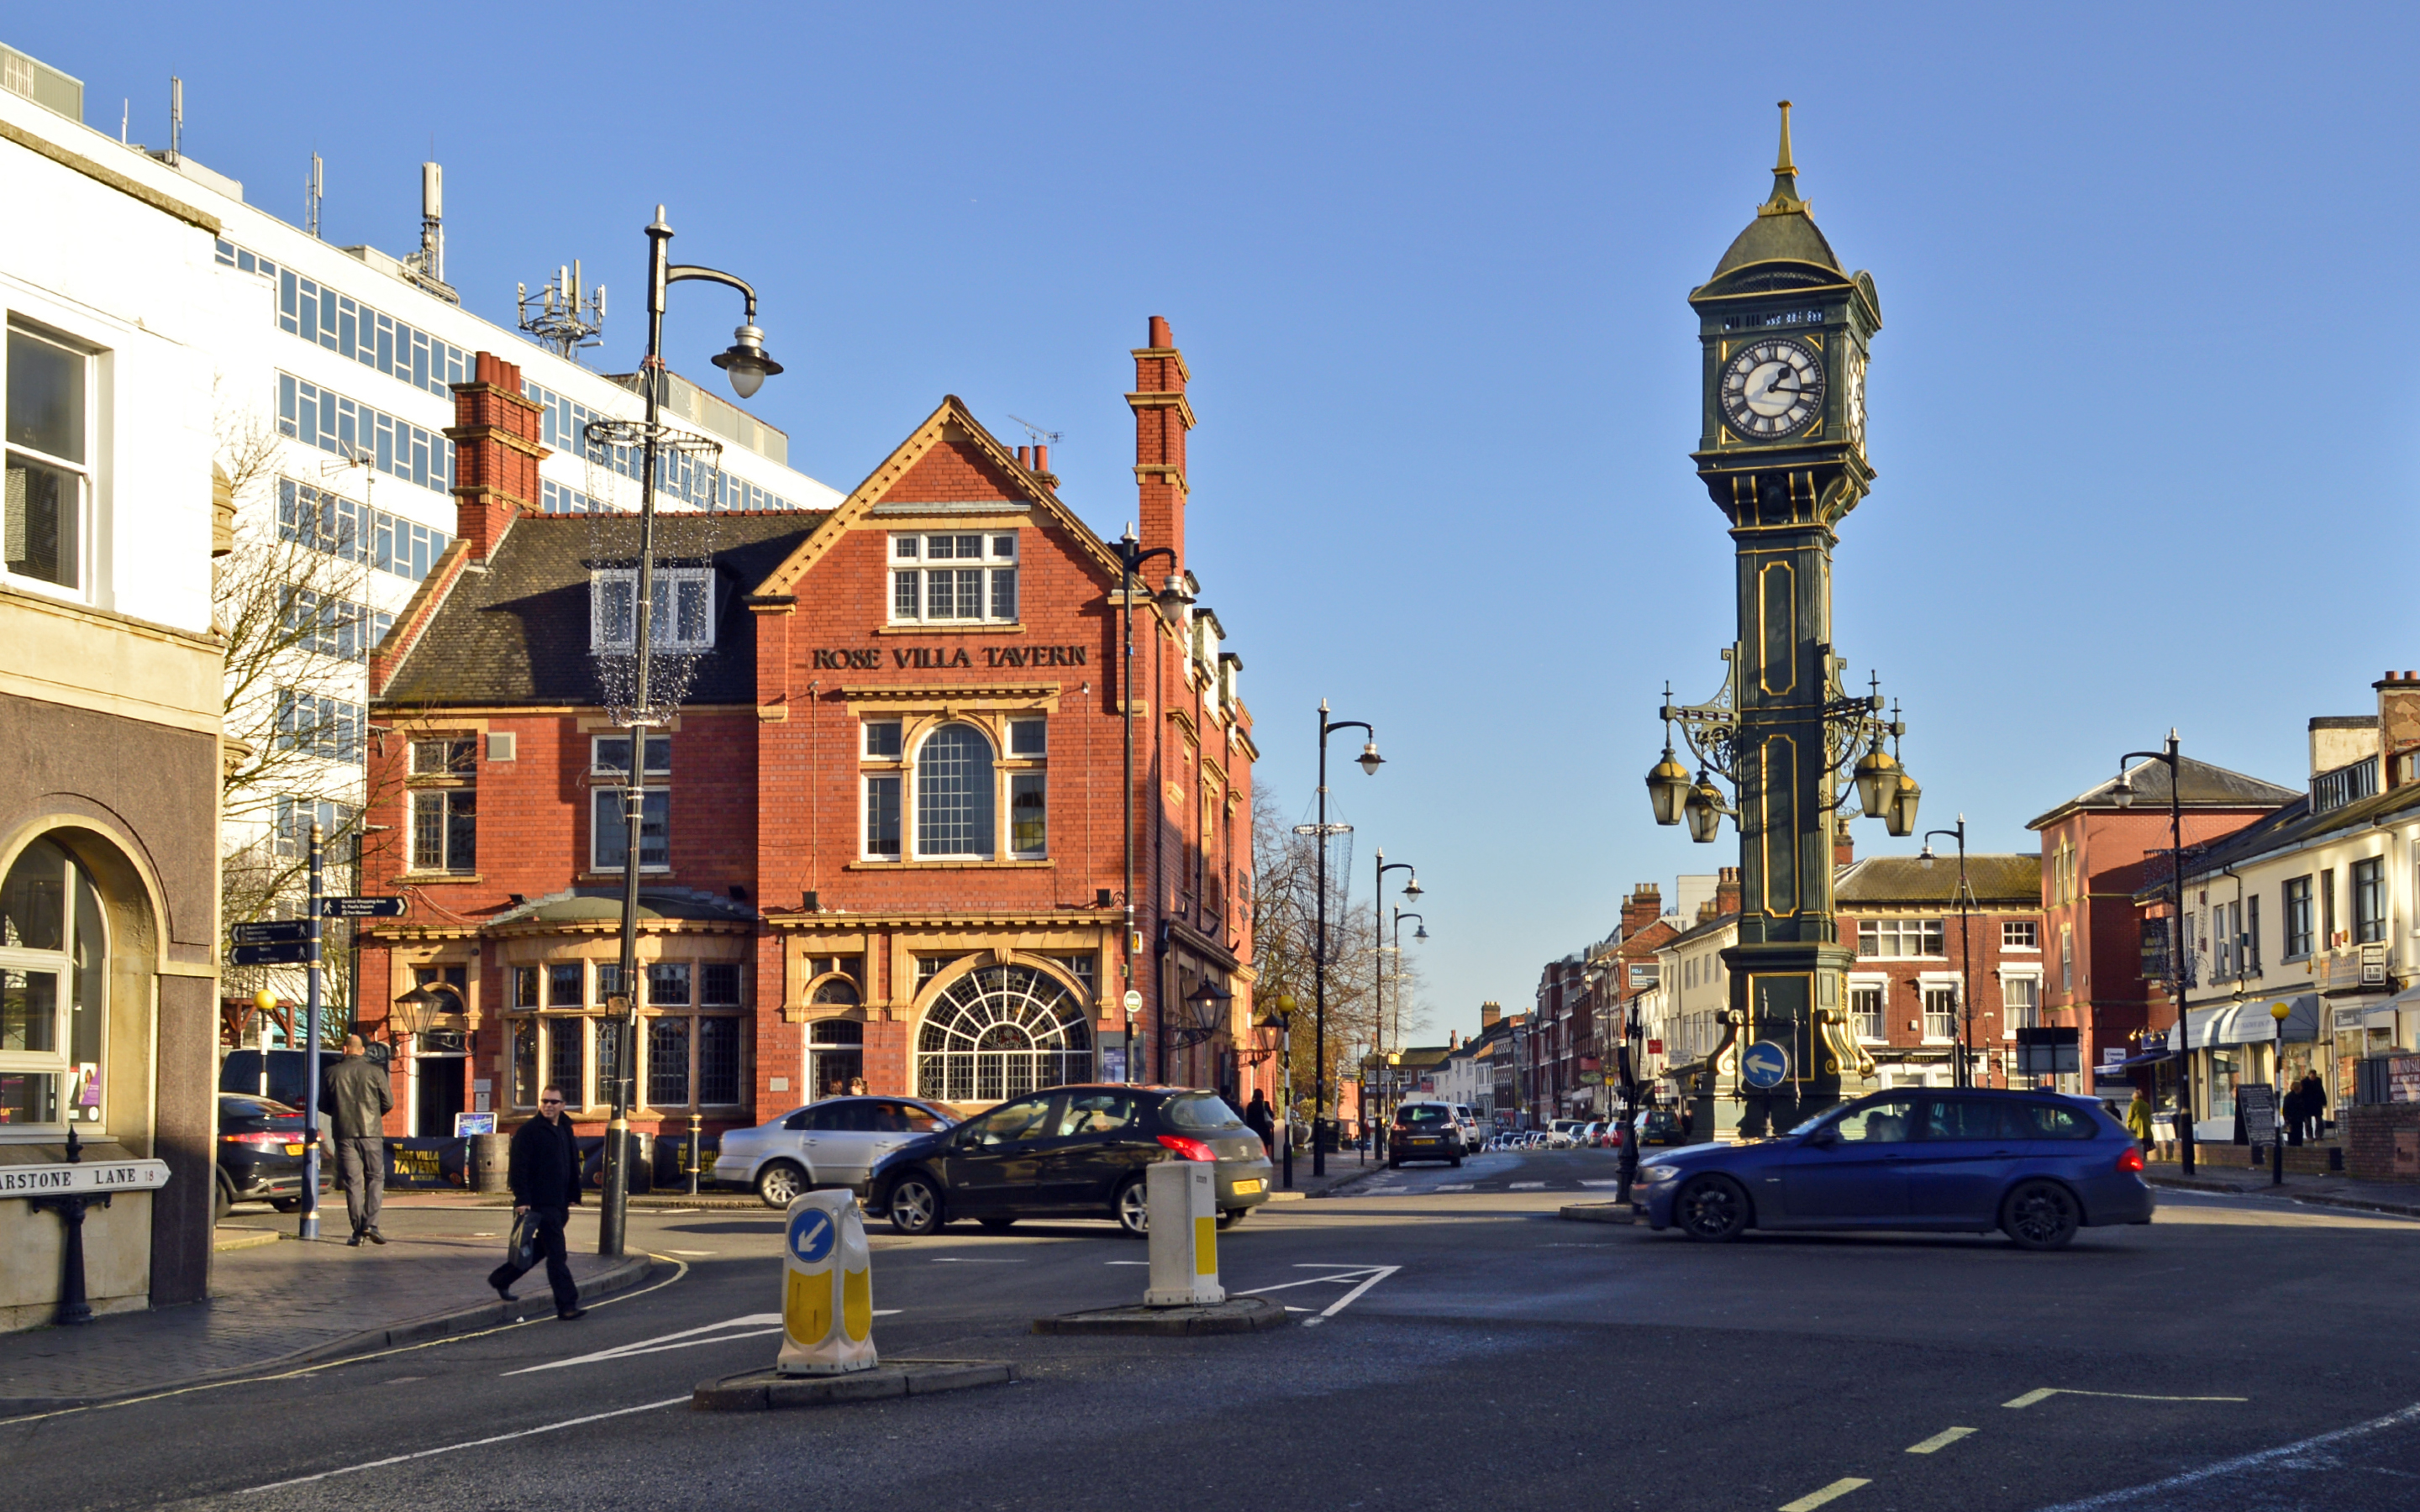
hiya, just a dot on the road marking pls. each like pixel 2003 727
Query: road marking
pixel 693 1254
pixel 1125 1262
pixel 1812 1500
pixel 2283 1452
pixel 2044 1394
pixel 973 1259
pixel 754 1325
pixel 1459 1187
pixel 1616 1182
pixel 1942 1440
pixel 1528 1186
pixel 472 1443
pixel 1367 1276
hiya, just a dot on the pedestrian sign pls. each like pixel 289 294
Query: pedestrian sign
pixel 1764 1065
pixel 291 953
pixel 389 907
pixel 271 932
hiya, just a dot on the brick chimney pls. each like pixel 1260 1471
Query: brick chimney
pixel 1162 416
pixel 2398 727
pixel 1491 1013
pixel 1844 845
pixel 496 455
pixel 1726 890
pixel 1644 906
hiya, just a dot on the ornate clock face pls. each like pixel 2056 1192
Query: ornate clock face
pixel 1773 388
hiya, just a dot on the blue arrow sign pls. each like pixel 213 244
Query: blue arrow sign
pixel 1764 1065
pixel 812 1234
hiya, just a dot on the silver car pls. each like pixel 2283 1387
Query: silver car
pixel 835 1142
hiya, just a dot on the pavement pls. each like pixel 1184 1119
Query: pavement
pixel 279 1300
pixel 2400 1197
pixel 1449 1345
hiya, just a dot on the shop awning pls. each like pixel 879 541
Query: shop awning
pixel 2249 1023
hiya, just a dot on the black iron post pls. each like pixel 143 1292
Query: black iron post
pixel 75 1308
pixel 1965 953
pixel 310 1224
pixel 1378 975
pixel 2124 795
pixel 1369 761
pixel 2277 1014
pixel 1285 1118
pixel 1131 556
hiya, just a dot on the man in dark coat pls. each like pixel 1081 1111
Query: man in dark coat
pixel 1258 1118
pixel 544 1173
pixel 357 1099
pixel 2315 1103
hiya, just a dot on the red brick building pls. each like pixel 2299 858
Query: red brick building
pixel 883 835
pixel 1910 995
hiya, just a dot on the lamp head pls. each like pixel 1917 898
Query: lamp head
pixel 264 1000
pixel 2121 792
pixel 1704 810
pixel 1924 856
pixel 2281 1011
pixel 1412 887
pixel 1422 934
pixel 747 362
pixel 1899 817
pixel 1668 788
pixel 1371 759
pixel 1872 776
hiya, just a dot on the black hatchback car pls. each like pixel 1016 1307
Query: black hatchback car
pixel 260 1153
pixel 1424 1130
pixel 1071 1151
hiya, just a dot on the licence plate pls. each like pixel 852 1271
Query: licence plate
pixel 294 1150
pixel 1424 1141
pixel 1245 1188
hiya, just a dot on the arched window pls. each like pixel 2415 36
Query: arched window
pixel 53 979
pixel 954 799
pixel 1002 1031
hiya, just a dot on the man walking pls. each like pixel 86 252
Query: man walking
pixel 358 1101
pixel 544 1174
pixel 1258 1118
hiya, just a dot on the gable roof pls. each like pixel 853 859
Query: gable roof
pixel 1998 881
pixel 518 631
pixel 952 426
pixel 2202 786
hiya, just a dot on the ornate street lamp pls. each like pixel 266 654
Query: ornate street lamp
pixel 2121 792
pixel 1965 945
pixel 1370 761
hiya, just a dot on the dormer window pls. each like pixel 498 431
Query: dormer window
pixel 684 609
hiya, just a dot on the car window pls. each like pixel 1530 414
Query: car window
pixel 2047 1120
pixel 797 1120
pixel 1887 1122
pixel 1011 1123
pixel 1205 1110
pixel 905 1117
pixel 1095 1113
pixel 839 1116
pixel 252 1107
pixel 1414 1114
pixel 1972 1118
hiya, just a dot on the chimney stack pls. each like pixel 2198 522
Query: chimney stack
pixel 1491 1013
pixel 1041 457
pixel 1726 890
pixel 496 455
pixel 1644 906
pixel 1162 417
pixel 1844 845
pixel 2398 728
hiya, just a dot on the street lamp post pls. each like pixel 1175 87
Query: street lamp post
pixel 1131 556
pixel 1394 1082
pixel 749 366
pixel 2122 793
pixel 2278 1013
pixel 1285 1016
pixel 1378 957
pixel 1369 761
pixel 1965 949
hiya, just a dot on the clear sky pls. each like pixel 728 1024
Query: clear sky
pixel 2143 427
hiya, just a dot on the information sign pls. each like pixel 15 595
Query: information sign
pixel 361 908
pixel 86 1177
pixel 271 932
pixel 290 954
pixel 2257 1103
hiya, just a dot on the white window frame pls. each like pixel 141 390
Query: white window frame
pixel 599 767
pixel 1874 983
pixel 910 557
pixel 672 586
pixel 86 472
pixel 1009 782
pixel 1900 928
pixel 2007 1026
pixel 61 963
pixel 2007 924
pixel 444 797
pixel 1928 983
pixel 897 778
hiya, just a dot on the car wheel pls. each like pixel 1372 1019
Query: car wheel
pixel 1394 1165
pixel 780 1183
pixel 916 1206
pixel 997 1225
pixel 1229 1217
pixel 221 1200
pixel 1132 1208
pixel 1712 1208
pixel 1455 1163
pixel 286 1204
pixel 2040 1215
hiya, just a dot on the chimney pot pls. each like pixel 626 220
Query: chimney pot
pixel 1160 334
pixel 1041 457
pixel 1025 456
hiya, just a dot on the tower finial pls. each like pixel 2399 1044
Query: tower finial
pixel 1784 200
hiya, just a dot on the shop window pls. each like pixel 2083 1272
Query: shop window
pixel 667 1062
pixel 525 1063
pixel 566 1041
pixel 668 984
pixel 958 578
pixel 53 981
pixel 563 985
pixel 50 490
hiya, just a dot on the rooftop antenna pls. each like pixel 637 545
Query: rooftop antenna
pixel 176 118
pixel 427 267
pixel 314 190
pixel 1036 433
pixel 565 316
pixel 1041 454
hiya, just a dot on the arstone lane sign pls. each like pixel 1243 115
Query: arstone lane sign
pixel 99 1176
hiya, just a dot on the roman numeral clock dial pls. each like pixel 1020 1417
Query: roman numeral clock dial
pixel 1773 388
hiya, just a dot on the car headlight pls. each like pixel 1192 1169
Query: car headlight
pixel 1660 1173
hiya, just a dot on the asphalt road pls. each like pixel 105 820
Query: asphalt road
pixel 1460 1349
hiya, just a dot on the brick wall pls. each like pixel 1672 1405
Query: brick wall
pixel 2372 1133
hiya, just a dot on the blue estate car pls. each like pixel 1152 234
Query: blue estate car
pixel 2035 1166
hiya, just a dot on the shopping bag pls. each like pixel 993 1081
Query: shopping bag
pixel 521 1247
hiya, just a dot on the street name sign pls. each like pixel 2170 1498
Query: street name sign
pixel 361 908
pixel 291 953
pixel 1764 1065
pixel 87 1177
pixel 274 932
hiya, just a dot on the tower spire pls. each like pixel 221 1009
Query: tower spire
pixel 1785 200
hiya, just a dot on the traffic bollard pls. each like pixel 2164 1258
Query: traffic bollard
pixel 826 1288
pixel 1183 1204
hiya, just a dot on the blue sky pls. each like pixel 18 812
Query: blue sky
pixel 2141 462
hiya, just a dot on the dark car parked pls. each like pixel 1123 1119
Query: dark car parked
pixel 260 1153
pixel 1424 1130
pixel 1071 1151
pixel 2035 1166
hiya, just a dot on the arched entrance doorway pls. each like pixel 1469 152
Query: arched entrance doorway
pixel 999 1032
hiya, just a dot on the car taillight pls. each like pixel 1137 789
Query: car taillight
pixel 1189 1148
pixel 2131 1158
pixel 264 1139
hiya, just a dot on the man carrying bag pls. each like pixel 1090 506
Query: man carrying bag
pixel 544 1173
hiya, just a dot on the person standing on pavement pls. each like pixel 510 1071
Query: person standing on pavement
pixel 358 1101
pixel 2314 1104
pixel 1258 1118
pixel 2138 1121
pixel 544 1173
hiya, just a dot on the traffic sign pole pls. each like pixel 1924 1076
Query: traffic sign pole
pixel 310 1228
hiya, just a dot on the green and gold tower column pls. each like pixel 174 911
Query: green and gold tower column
pixel 1785 331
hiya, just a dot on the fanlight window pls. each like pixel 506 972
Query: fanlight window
pixel 1001 1032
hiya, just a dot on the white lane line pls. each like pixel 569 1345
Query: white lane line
pixel 1614 1182
pixel 1528 1186
pixel 754 1325
pixel 1459 1187
pixel 1125 1262
pixel 2250 1461
pixel 1942 1440
pixel 693 1254
pixel 469 1443
pixel 1367 1276
pixel 2044 1394
pixel 969 1259
pixel 1812 1500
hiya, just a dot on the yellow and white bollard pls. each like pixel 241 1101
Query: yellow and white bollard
pixel 826 1288
pixel 1183 1204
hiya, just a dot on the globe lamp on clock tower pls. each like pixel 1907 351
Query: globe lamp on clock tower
pixel 1783 451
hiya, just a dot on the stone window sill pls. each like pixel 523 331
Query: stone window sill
pixel 949 629
pixel 948 865
pixel 431 879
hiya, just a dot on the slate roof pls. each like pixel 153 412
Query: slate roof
pixel 2204 787
pixel 2292 825
pixel 1999 881
pixel 517 632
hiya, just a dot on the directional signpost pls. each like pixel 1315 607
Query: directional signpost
pixel 361 908
pixel 294 955
pixel 1764 1065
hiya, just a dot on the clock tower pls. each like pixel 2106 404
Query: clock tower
pixel 1783 451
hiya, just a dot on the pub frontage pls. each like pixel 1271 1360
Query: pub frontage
pixel 884 842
